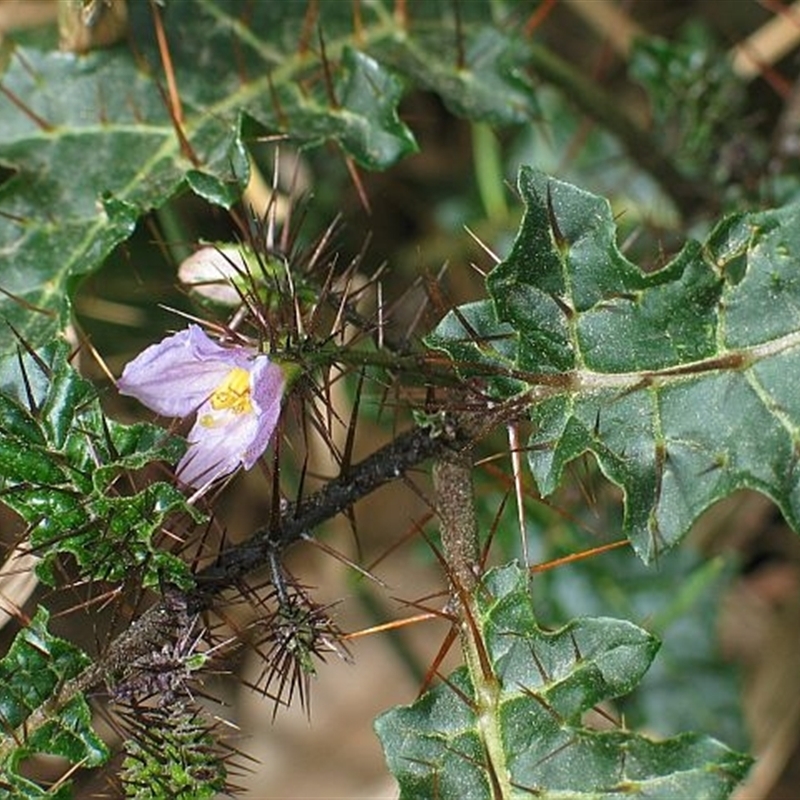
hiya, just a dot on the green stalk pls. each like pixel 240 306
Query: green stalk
pixel 488 160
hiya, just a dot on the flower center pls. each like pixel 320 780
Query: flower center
pixel 233 394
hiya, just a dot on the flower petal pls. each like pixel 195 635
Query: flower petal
pixel 267 382
pixel 216 450
pixel 221 440
pixel 204 348
pixel 212 272
pixel 174 376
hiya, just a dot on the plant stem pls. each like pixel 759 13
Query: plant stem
pixel 158 623
pixel 455 503
pixel 298 520
pixel 489 171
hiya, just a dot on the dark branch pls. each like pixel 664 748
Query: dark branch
pixel 408 450
pixel 388 463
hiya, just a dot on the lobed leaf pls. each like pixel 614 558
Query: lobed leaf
pixel 546 681
pixel 90 145
pixel 59 457
pixel 690 686
pixel 678 381
pixel 31 675
pixel 695 98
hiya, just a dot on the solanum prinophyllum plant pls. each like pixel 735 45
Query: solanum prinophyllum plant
pixel 290 368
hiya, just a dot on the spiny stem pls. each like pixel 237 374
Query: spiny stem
pixel 386 464
pixel 354 357
pixel 156 625
pixel 455 502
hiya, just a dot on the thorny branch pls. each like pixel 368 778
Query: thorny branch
pixel 407 451
pixel 384 465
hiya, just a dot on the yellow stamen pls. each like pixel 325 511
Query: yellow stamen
pixel 233 394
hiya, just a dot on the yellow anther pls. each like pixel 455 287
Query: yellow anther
pixel 233 393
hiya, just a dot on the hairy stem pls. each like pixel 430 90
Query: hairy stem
pixel 455 502
pixel 384 465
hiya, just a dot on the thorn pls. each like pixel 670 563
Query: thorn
pixel 172 98
pixel 433 290
pixel 474 336
pixel 358 25
pixel 566 309
pixel 216 327
pixel 309 23
pixel 13 217
pixel 558 236
pixel 38 360
pixel 27 111
pixel 393 625
pixel 466 615
pixel 414 530
pixel 326 70
pixel 423 306
pixel 343 559
pixel 440 656
pixel 572 557
pixel 482 272
pixel 27 305
pixel 484 558
pixel 538 17
pixel 575 648
pixel 357 182
pixel 339 321
pixel 401 13
pixel 381 321
pixel 519 492
pixel 347 455
pixel 283 120
pixel 100 361
pixel 485 247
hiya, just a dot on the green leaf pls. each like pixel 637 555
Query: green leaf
pixel 61 468
pixel 491 85
pixel 370 93
pixel 691 685
pixel 91 146
pixel 678 381
pixel 532 732
pixel 31 675
pixel 695 96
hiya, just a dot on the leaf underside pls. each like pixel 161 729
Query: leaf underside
pixel 680 381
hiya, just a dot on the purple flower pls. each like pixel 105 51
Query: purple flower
pixel 235 392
